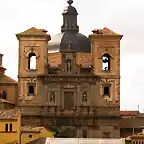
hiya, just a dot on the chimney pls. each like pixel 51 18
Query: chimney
pixel 2 69
pixel 1 56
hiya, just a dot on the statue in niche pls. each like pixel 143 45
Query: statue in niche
pixel 52 96
pixel 69 65
pixel 70 45
pixel 3 94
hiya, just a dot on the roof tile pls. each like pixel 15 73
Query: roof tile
pixel 104 31
pixel 33 31
pixel 9 114
pixel 6 79
pixel 129 113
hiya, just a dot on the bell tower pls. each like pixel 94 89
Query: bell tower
pixel 106 65
pixel 32 61
pixel 106 62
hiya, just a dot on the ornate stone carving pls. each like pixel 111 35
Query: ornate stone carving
pixel 31 81
pixel 31 49
pixel 106 48
pixel 91 110
pixel 69 86
pixel 72 79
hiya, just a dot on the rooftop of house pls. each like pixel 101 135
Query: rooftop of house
pixel 129 113
pixel 33 31
pixel 104 31
pixel 6 79
pixel 28 128
pixel 5 101
pixel 9 114
pixel 38 141
pixel 138 135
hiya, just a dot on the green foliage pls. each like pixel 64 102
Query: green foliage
pixel 127 142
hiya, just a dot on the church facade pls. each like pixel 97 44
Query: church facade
pixel 75 83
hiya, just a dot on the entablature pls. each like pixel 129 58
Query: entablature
pixel 68 78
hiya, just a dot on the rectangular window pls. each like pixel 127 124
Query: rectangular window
pixel 68 100
pixel 6 127
pixel 31 90
pixel 106 91
pixel 10 127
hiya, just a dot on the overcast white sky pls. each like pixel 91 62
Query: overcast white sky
pixel 122 16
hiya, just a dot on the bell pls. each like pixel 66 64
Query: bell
pixel 105 60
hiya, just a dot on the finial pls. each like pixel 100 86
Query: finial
pixel 70 2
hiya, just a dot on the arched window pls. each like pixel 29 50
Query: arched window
pixel 11 127
pixel 68 65
pixel 84 135
pixel 32 61
pixel 6 127
pixel 84 96
pixel 106 62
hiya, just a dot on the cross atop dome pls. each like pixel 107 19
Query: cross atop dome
pixel 70 2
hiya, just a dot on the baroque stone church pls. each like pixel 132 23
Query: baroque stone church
pixel 75 83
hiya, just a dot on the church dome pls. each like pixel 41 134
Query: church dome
pixel 60 42
pixel 69 34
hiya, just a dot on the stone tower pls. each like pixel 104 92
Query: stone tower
pixel 32 60
pixel 106 61
pixel 106 64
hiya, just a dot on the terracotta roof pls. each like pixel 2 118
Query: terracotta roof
pixel 104 31
pixel 33 31
pixel 27 128
pixel 138 135
pixel 84 59
pixel 9 114
pixel 4 101
pixel 38 141
pixel 54 59
pixel 129 113
pixel 6 79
